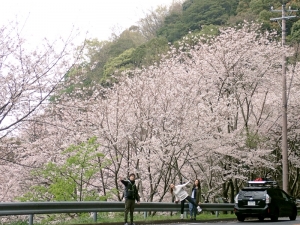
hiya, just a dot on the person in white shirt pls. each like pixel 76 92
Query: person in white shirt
pixel 181 195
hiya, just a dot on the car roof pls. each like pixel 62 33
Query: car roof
pixel 263 183
pixel 254 188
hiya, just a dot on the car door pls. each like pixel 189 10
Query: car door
pixel 286 203
pixel 277 202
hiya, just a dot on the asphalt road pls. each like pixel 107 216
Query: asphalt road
pixel 281 221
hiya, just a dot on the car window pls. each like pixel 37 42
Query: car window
pixel 253 193
pixel 284 195
pixel 275 193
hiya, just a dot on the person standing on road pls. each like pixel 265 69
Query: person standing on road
pixel 131 195
pixel 181 195
pixel 195 193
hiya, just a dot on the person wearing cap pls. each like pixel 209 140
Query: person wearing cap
pixel 131 195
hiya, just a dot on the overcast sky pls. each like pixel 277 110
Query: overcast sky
pixel 55 18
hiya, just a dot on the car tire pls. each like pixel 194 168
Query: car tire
pixel 241 218
pixel 261 218
pixel 294 215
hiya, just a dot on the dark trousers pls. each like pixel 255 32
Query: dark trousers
pixel 190 200
pixel 129 207
pixel 193 209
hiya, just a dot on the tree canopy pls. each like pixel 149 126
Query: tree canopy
pixel 209 110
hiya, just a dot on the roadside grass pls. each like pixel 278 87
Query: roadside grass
pixel 106 218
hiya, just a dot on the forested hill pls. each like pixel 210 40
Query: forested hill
pixel 144 43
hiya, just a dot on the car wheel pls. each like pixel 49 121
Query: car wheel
pixel 274 216
pixel 294 215
pixel 241 218
pixel 261 218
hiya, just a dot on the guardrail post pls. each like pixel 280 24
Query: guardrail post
pixel 145 215
pixel 217 213
pixel 31 219
pixel 95 216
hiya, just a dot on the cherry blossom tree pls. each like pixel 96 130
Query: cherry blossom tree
pixel 210 111
pixel 244 66
pixel 28 77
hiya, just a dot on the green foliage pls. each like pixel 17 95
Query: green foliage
pixel 120 63
pixel 295 34
pixel 17 223
pixel 100 53
pixel 173 28
pixel 69 181
pixel 144 55
pixel 257 6
pixel 193 38
pixel 119 46
pixel 243 6
pixel 150 52
pixel 209 12
pixel 209 30
pixel 262 8
pixel 174 32
pixel 252 140
pixel 195 14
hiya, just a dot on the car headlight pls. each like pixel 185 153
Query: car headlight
pixel 236 199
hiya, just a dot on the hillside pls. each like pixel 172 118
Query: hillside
pixel 142 45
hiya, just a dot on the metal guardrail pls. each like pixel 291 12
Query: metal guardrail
pixel 32 208
pixel 26 208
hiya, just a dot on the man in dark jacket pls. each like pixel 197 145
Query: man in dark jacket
pixel 130 195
